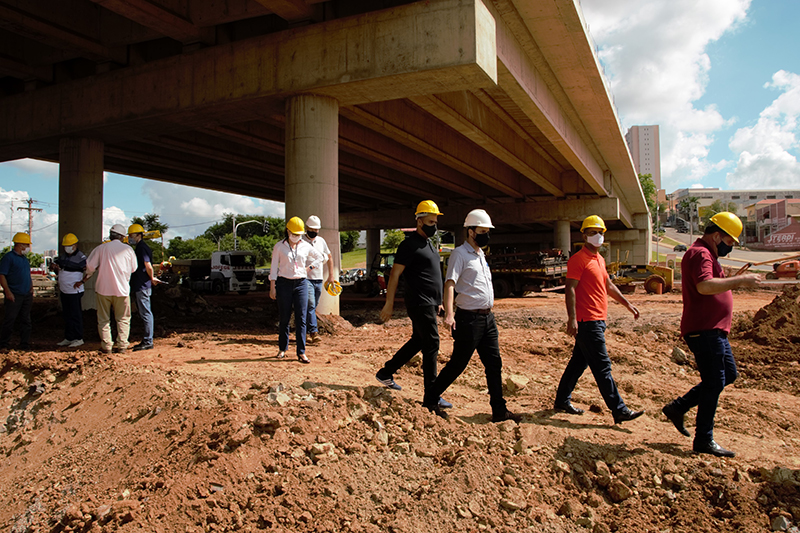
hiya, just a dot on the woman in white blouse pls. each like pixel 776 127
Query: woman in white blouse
pixel 291 258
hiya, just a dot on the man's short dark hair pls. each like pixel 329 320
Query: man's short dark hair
pixel 713 228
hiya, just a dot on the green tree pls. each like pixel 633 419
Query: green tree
pixel 348 240
pixel 392 239
pixel 275 227
pixel 651 196
pixel 262 246
pixel 197 248
pixel 150 222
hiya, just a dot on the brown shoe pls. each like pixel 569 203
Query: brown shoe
pixel 120 350
pixel 314 338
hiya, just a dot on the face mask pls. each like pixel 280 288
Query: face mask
pixel 481 239
pixel 723 249
pixel 294 239
pixel 429 231
pixel 26 250
pixel 69 249
pixel 312 234
pixel 596 240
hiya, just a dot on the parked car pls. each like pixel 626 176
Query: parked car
pixel 679 248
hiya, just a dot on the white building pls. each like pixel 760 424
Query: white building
pixel 643 144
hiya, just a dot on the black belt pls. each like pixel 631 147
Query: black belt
pixel 475 311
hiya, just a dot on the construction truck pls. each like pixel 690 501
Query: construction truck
pixel 231 271
pixel 657 279
pixel 520 273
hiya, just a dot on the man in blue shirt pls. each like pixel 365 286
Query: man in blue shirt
pixel 15 279
pixel 142 282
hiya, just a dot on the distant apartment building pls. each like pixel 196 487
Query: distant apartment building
pixel 643 144
pixel 742 198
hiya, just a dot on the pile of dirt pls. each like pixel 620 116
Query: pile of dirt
pixel 210 432
pixel 777 323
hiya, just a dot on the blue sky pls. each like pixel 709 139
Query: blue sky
pixel 720 77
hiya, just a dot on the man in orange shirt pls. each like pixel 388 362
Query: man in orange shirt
pixel 588 288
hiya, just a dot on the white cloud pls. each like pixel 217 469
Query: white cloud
pixel 697 186
pixel 767 150
pixel 189 211
pixel 13 220
pixel 654 56
pixel 41 169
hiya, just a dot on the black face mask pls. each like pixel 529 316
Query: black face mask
pixel 481 239
pixel 429 231
pixel 312 234
pixel 723 249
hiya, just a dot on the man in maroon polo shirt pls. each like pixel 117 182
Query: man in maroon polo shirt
pixel 705 324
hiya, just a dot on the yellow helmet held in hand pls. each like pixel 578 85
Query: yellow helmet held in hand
pixel 21 238
pixel 69 239
pixel 593 221
pixel 334 288
pixel 135 228
pixel 428 207
pixel 296 226
pixel 729 223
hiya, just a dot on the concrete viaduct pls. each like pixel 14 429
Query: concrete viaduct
pixel 353 110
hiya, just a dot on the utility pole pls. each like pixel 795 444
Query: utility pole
pixel 30 211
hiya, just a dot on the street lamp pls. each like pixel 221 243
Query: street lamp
pixel 235 227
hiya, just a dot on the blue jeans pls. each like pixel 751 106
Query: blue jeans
pixel 73 316
pixel 474 331
pixel 19 308
pixel 717 368
pixel 314 292
pixel 590 351
pixel 292 293
pixel 143 305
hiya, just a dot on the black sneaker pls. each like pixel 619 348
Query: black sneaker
pixel 388 382
pixel 438 411
pixel 508 415
pixel 626 415
pixel 142 346
pixel 712 448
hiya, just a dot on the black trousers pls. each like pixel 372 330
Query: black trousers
pixel 19 308
pixel 425 338
pixel 73 316
pixel 473 331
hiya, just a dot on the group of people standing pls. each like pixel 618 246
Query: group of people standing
pixel 121 271
pixel 466 298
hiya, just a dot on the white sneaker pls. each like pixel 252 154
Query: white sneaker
pixel 65 342
pixel 75 343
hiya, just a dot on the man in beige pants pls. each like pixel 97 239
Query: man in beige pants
pixel 114 262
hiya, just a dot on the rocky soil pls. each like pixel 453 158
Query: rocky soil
pixel 210 432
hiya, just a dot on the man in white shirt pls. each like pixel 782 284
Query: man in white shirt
pixel 114 262
pixel 316 273
pixel 472 324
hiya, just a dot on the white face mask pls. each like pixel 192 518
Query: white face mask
pixel 69 249
pixel 294 239
pixel 26 249
pixel 595 240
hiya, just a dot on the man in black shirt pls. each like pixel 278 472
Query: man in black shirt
pixel 418 259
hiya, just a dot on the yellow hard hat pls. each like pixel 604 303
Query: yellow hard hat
pixel 172 258
pixel 296 226
pixel 334 288
pixel 593 221
pixel 729 223
pixel 428 207
pixel 135 228
pixel 69 239
pixel 21 238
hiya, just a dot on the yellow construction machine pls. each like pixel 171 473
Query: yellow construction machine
pixel 657 279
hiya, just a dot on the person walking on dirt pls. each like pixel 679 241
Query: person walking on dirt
pixel 142 282
pixel 705 324
pixel 419 260
pixel 316 273
pixel 288 284
pixel 587 292
pixel 472 322
pixel 15 279
pixel 114 261
pixel 70 266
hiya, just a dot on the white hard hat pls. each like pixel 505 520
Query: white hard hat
pixel 479 218
pixel 313 222
pixel 119 229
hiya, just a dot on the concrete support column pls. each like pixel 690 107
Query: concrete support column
pixel 80 198
pixel 373 246
pixel 561 237
pixel 312 172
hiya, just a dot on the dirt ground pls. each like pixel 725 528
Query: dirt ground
pixel 210 432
